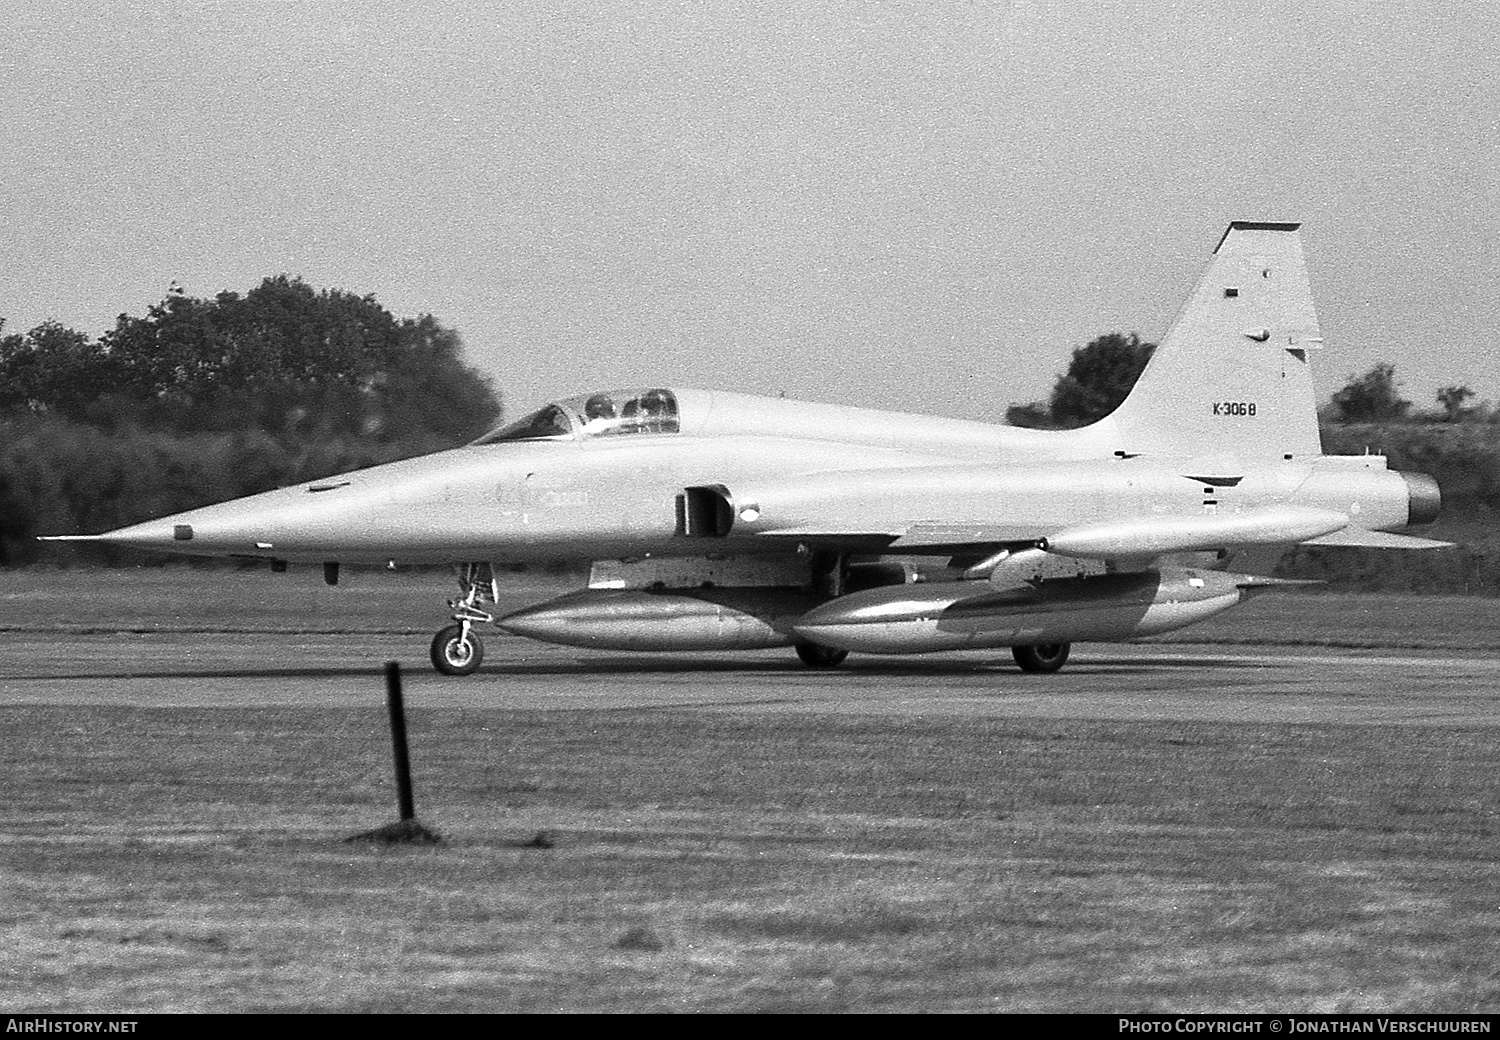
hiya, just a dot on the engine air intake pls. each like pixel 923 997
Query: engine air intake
pixel 704 512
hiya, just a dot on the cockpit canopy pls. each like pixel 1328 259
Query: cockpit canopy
pixel 604 414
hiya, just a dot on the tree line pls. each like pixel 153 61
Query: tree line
pixel 283 358
pixel 201 400
pixel 1102 372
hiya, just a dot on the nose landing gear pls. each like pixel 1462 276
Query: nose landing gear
pixel 457 649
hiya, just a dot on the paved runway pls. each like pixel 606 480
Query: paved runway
pixel 1102 681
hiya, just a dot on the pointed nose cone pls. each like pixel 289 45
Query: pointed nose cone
pixel 254 525
pixel 164 535
pixel 427 509
pixel 234 528
pixel 301 522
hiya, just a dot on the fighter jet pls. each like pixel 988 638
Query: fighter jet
pixel 718 521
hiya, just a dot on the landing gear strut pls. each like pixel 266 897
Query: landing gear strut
pixel 457 649
pixel 830 574
pixel 816 655
pixel 1046 657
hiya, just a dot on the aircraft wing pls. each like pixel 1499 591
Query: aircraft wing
pixel 850 540
pixel 935 535
pixel 1158 535
pixel 921 537
pixel 1132 537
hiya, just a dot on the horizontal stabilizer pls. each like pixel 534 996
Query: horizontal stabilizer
pixel 1361 538
pixel 1157 535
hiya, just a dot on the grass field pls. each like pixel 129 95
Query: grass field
pixel 192 859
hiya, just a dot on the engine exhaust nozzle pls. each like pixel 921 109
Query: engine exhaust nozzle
pixel 1424 500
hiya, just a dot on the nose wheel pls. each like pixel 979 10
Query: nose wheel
pixel 457 650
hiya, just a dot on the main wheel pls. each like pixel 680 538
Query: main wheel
pixel 1048 657
pixel 816 655
pixel 455 654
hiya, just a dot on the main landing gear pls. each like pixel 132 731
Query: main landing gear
pixel 1046 657
pixel 457 649
pixel 816 655
pixel 830 579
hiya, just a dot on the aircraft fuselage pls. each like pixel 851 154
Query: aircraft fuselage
pixel 587 500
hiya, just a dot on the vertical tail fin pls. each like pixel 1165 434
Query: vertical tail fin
pixel 1232 377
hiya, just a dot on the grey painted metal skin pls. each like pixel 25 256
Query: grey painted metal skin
pixel 955 616
pixel 900 619
pixel 1215 451
pixel 753 618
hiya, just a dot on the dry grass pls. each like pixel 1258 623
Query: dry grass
pixel 177 860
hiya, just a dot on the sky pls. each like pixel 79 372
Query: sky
pixel 922 206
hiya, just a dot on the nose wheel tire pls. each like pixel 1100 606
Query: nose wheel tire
pixel 1047 657
pixel 816 655
pixel 457 652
